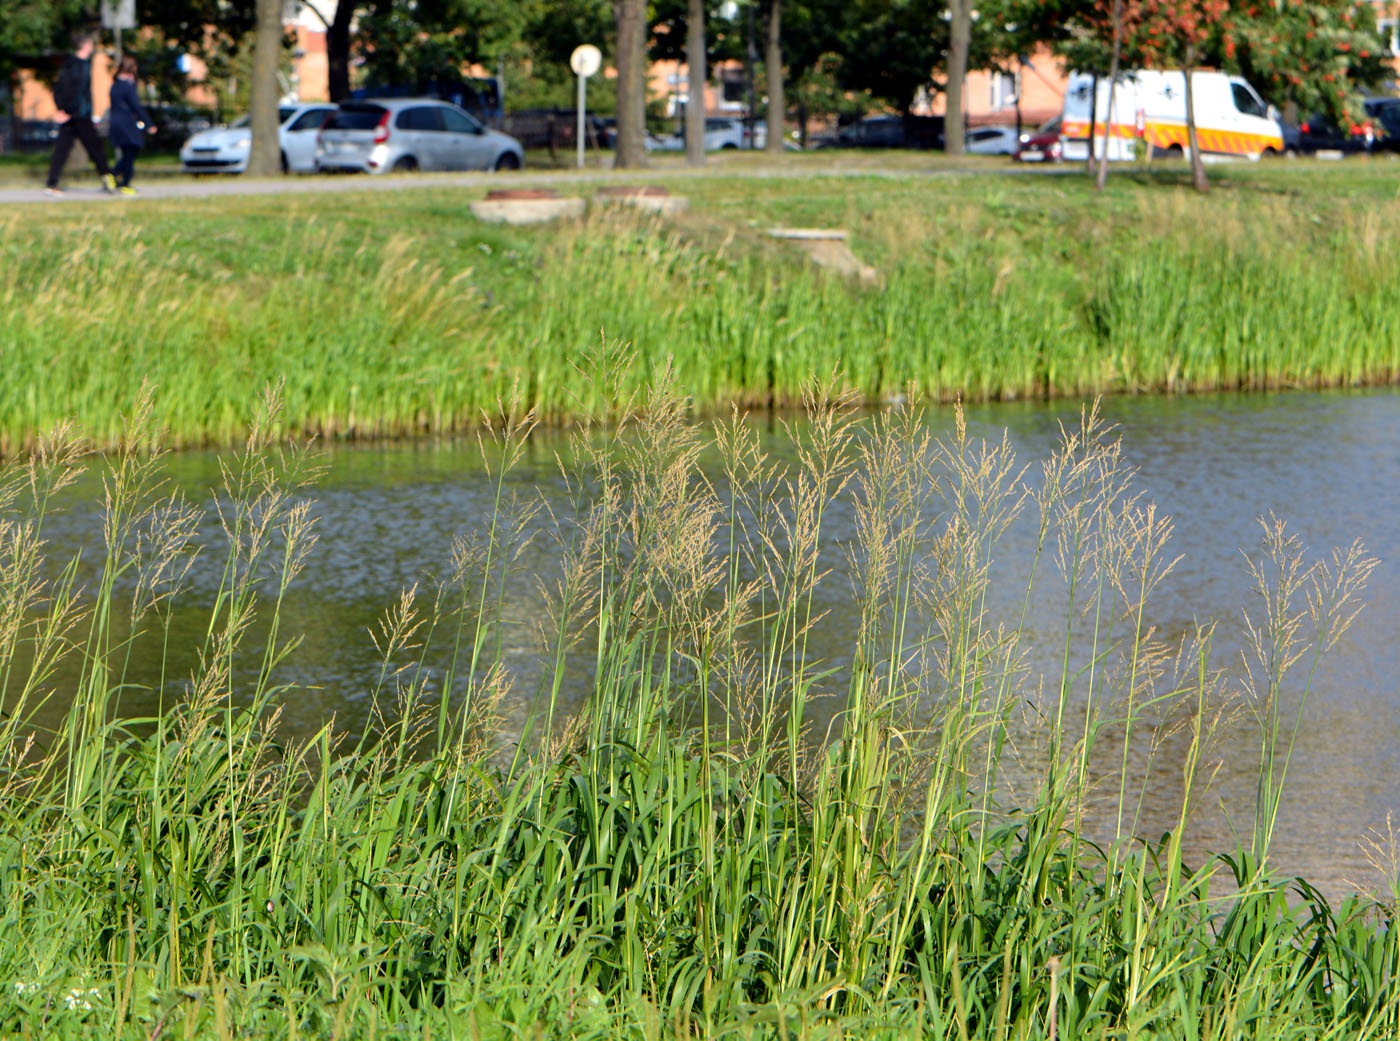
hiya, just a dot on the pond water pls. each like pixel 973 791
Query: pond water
pixel 1328 463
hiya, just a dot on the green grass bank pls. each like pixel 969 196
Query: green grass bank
pixel 959 857
pixel 396 312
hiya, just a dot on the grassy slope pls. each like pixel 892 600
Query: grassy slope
pixel 397 312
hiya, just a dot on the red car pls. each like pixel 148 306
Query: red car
pixel 1043 146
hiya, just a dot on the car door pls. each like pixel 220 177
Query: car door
pixel 1251 120
pixel 466 141
pixel 418 133
pixel 299 139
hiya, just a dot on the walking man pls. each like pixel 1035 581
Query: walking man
pixel 73 96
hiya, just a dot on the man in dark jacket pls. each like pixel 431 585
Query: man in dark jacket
pixel 73 96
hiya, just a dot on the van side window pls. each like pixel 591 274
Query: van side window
pixel 1247 102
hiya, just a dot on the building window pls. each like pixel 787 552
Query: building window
pixel 1005 87
pixel 1386 27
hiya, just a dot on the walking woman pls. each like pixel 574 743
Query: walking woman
pixel 129 122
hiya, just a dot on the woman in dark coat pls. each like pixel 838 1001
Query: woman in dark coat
pixel 129 123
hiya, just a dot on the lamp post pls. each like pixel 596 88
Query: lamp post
pixel 750 60
pixel 729 11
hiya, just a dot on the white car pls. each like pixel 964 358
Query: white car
pixel 721 133
pixel 993 141
pixel 225 149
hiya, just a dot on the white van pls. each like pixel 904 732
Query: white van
pixel 1151 104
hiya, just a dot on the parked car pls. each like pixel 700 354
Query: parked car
pixel 995 140
pixel 1385 116
pixel 37 134
pixel 721 133
pixel 1378 132
pixel 225 149
pixel 1317 134
pixel 1040 146
pixel 402 134
pixel 889 132
pixel 174 124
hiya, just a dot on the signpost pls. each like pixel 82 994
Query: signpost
pixel 585 61
pixel 118 15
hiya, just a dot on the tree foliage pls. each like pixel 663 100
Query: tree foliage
pixel 1315 54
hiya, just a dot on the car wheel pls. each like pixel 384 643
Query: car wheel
pixel 508 161
pixel 405 164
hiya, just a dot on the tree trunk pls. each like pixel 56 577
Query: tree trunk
pixel 773 60
pixel 631 83
pixel 1112 90
pixel 1198 168
pixel 1093 121
pixel 959 44
pixel 338 50
pixel 695 80
pixel 265 158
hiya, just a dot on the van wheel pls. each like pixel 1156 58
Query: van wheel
pixel 508 161
pixel 406 164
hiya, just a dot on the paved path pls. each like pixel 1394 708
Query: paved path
pixel 84 189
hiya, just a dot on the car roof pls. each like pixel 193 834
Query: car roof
pixel 397 103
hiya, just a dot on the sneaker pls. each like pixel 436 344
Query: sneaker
pixel 109 184
pixel 127 189
pixel 53 189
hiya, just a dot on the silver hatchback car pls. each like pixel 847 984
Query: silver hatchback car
pixel 401 134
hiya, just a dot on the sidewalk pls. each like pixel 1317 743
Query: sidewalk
pixel 85 189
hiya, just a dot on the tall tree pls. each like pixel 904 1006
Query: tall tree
pixel 959 44
pixel 773 65
pixel 695 79
pixel 1113 67
pixel 631 16
pixel 264 159
pixel 893 49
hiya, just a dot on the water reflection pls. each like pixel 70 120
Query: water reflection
pixel 1327 462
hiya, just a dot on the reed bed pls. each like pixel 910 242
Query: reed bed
pixel 958 857
pixel 398 314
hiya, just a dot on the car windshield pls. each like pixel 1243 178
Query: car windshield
pixel 283 114
pixel 1389 115
pixel 1052 127
pixel 356 117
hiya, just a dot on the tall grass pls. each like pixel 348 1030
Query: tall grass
pixel 959 856
pixel 405 315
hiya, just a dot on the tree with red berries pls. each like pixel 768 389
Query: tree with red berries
pixel 1314 55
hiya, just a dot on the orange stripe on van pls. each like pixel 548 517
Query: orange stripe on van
pixel 1165 135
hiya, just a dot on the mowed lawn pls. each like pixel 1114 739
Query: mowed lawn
pixel 388 313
